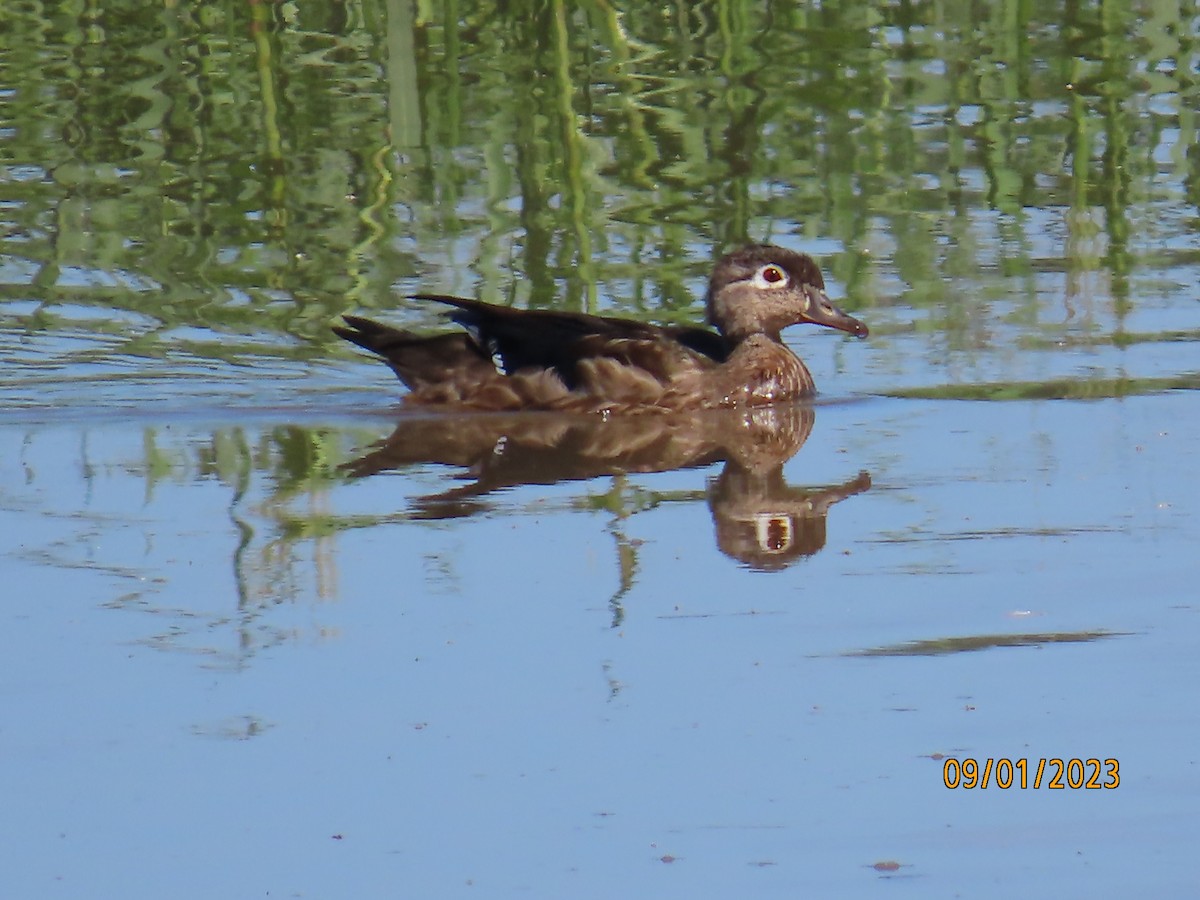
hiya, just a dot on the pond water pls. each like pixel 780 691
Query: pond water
pixel 268 632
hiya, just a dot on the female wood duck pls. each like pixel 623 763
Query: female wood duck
pixel 511 359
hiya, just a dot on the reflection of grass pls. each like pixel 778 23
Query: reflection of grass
pixel 1057 389
pixel 1117 339
pixel 940 646
pixel 990 534
pixel 290 164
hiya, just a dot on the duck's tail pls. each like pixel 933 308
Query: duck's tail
pixel 418 361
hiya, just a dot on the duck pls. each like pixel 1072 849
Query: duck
pixel 507 359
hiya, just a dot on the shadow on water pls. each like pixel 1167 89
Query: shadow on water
pixel 761 521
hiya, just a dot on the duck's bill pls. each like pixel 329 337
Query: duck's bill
pixel 822 311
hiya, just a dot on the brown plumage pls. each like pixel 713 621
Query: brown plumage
pixel 509 359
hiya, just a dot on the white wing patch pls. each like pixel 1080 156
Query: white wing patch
pixel 497 359
pixel 488 345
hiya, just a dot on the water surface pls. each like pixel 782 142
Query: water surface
pixel 253 650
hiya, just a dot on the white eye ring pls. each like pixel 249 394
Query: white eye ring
pixel 770 277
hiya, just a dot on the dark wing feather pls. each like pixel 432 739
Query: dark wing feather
pixel 702 340
pixel 546 339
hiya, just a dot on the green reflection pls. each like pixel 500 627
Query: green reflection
pixel 1055 389
pixel 252 170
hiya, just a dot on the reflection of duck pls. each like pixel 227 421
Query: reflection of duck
pixel 766 523
pixel 760 519
pixel 511 359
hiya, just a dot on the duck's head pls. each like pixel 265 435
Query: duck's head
pixel 762 289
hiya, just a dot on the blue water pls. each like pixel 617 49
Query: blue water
pixel 203 701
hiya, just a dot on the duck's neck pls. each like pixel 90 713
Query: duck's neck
pixel 762 370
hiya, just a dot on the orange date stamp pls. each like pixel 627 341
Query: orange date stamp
pixel 1022 774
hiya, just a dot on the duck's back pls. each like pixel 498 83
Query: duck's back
pixel 539 359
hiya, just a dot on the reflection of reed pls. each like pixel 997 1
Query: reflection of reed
pixel 140 505
pixel 241 168
pixel 1055 389
pixel 266 65
pixel 943 646
pixel 760 519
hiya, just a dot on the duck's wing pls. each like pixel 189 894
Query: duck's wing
pixel 519 339
pixel 702 340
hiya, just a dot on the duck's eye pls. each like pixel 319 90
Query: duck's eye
pixel 772 274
